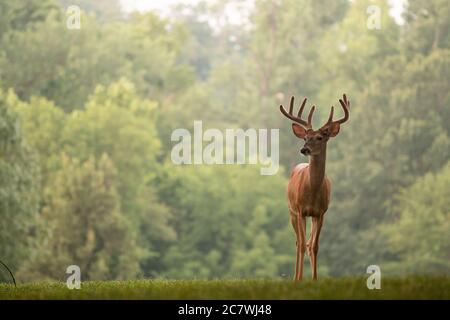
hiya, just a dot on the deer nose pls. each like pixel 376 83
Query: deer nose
pixel 305 151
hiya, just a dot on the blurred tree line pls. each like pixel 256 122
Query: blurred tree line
pixel 86 117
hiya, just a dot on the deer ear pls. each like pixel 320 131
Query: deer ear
pixel 299 131
pixel 332 129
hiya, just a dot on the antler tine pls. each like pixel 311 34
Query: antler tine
pixel 345 106
pixel 297 119
pixel 300 111
pixel 309 124
pixel 330 118
pixel 291 105
pixel 290 116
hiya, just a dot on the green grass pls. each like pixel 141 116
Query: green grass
pixel 331 288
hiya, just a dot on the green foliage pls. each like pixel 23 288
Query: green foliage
pixel 399 135
pixel 142 50
pixel 42 123
pixel 121 125
pixel 242 211
pixel 419 236
pixel 427 24
pixel 116 123
pixel 105 10
pixel 19 185
pixel 20 15
pixel 81 223
pixel 87 125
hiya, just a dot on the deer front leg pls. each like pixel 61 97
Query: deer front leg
pixel 310 240
pixel 315 245
pixel 301 246
pixel 309 244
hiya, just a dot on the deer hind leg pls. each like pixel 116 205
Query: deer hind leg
pixel 294 225
pixel 301 246
pixel 315 245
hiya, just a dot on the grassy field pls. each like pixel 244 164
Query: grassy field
pixel 333 288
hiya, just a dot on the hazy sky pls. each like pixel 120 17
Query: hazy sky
pixel 163 5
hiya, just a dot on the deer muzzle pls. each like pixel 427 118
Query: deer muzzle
pixel 305 151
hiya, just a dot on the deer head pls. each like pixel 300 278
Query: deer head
pixel 315 140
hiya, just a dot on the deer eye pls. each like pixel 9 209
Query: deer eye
pixel 319 138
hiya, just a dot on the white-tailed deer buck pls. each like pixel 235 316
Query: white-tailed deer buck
pixel 309 189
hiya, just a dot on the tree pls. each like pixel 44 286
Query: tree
pixel 142 49
pixel 222 214
pixel 82 224
pixel 73 99
pixel 394 130
pixel 427 26
pixel 418 235
pixel 42 123
pixel 117 123
pixel 122 125
pixel 19 183
pixel 105 10
pixel 17 15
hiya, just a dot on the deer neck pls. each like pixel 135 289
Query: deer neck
pixel 317 171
